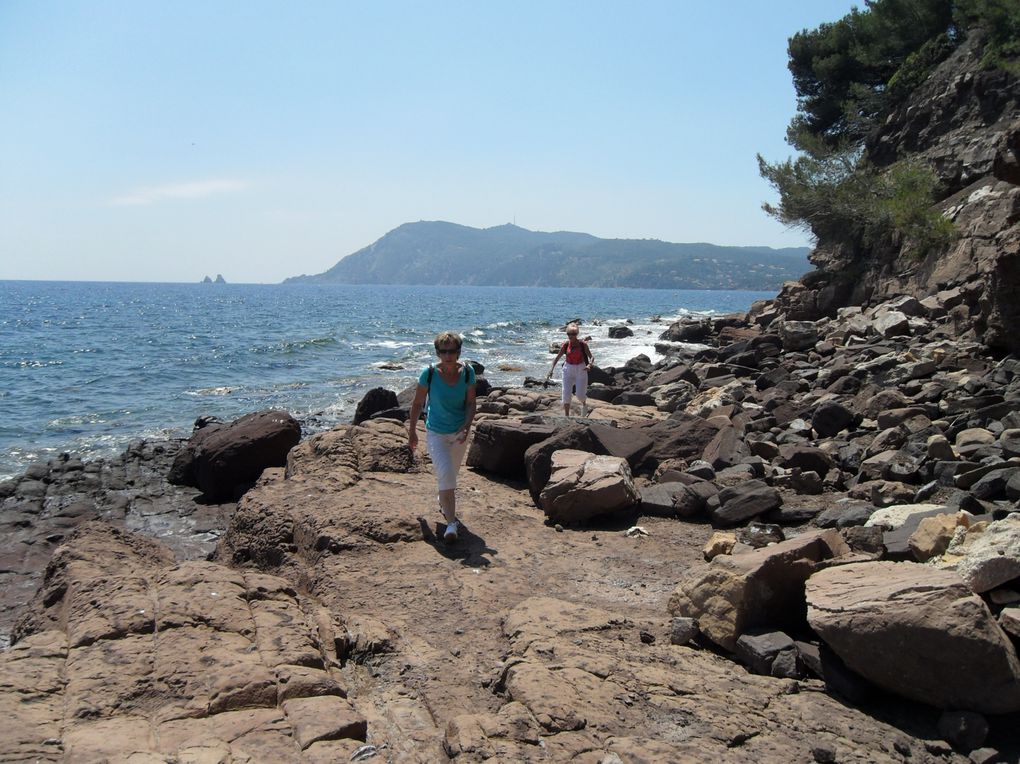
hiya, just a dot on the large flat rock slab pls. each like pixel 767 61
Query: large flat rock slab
pixel 579 685
pixel 133 656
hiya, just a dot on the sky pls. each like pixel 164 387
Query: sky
pixel 167 141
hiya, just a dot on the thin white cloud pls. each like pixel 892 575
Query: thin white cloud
pixel 199 189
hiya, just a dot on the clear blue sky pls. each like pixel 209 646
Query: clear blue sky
pixel 164 141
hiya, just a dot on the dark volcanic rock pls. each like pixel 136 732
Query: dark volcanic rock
pixel 499 445
pixel 744 501
pixel 223 459
pixel 375 400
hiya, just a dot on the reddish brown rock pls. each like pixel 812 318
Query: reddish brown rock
pixel 917 631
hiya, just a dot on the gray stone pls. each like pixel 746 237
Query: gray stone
pixel 993 558
pixel 757 649
pixel 742 502
pixel 659 499
pixel 498 446
pixel 683 631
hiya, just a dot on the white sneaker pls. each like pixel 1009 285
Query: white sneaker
pixel 452 529
pixel 584 411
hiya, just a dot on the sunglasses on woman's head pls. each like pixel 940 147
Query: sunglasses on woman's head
pixel 446 351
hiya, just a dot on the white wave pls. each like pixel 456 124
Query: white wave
pixel 27 364
pixel 391 344
pixel 214 391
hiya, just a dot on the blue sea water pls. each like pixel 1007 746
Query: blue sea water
pixel 86 367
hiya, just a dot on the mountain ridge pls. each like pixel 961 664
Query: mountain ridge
pixel 444 253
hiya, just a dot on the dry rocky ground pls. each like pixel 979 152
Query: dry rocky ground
pixel 335 627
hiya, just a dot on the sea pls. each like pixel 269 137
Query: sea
pixel 88 367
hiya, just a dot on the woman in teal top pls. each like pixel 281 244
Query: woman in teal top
pixel 449 388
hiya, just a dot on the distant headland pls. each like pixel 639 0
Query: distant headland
pixel 218 280
pixel 442 253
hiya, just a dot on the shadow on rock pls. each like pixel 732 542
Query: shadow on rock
pixel 469 549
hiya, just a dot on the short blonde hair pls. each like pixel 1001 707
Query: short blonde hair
pixel 572 327
pixel 446 338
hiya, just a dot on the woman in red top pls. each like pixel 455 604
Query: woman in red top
pixel 576 366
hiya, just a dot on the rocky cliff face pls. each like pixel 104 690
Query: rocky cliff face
pixel 965 123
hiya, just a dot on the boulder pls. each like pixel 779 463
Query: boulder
pixel 806 458
pixel 222 460
pixel 798 335
pixel 760 650
pixel 918 632
pixel 499 445
pixel 932 536
pixel 538 456
pixel 763 588
pixel 659 499
pixel 625 442
pixel 633 398
pixel 619 332
pixel 726 448
pixel 892 517
pixel 720 542
pixel 693 499
pixel 993 558
pixel 682 436
pixel 992 485
pixel 1009 442
pixel 744 501
pixel 687 330
pixel 375 400
pixel 583 486
pixel 830 418
pixel 891 323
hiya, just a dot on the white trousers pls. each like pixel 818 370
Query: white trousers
pixel 446 454
pixel 575 375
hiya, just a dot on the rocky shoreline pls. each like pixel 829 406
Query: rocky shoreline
pixel 854 482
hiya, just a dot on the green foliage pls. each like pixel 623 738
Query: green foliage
pixel 836 196
pixel 903 195
pixel 1000 21
pixel 841 71
pixel 917 66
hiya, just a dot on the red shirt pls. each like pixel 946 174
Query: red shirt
pixel 576 354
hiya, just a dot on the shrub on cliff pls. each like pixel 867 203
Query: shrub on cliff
pixel 1000 21
pixel 837 195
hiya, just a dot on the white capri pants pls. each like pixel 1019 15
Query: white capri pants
pixel 575 375
pixel 446 454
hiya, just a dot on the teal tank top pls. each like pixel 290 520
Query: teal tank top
pixel 446 409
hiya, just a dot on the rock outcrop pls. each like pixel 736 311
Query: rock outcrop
pixel 190 661
pixel 964 122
